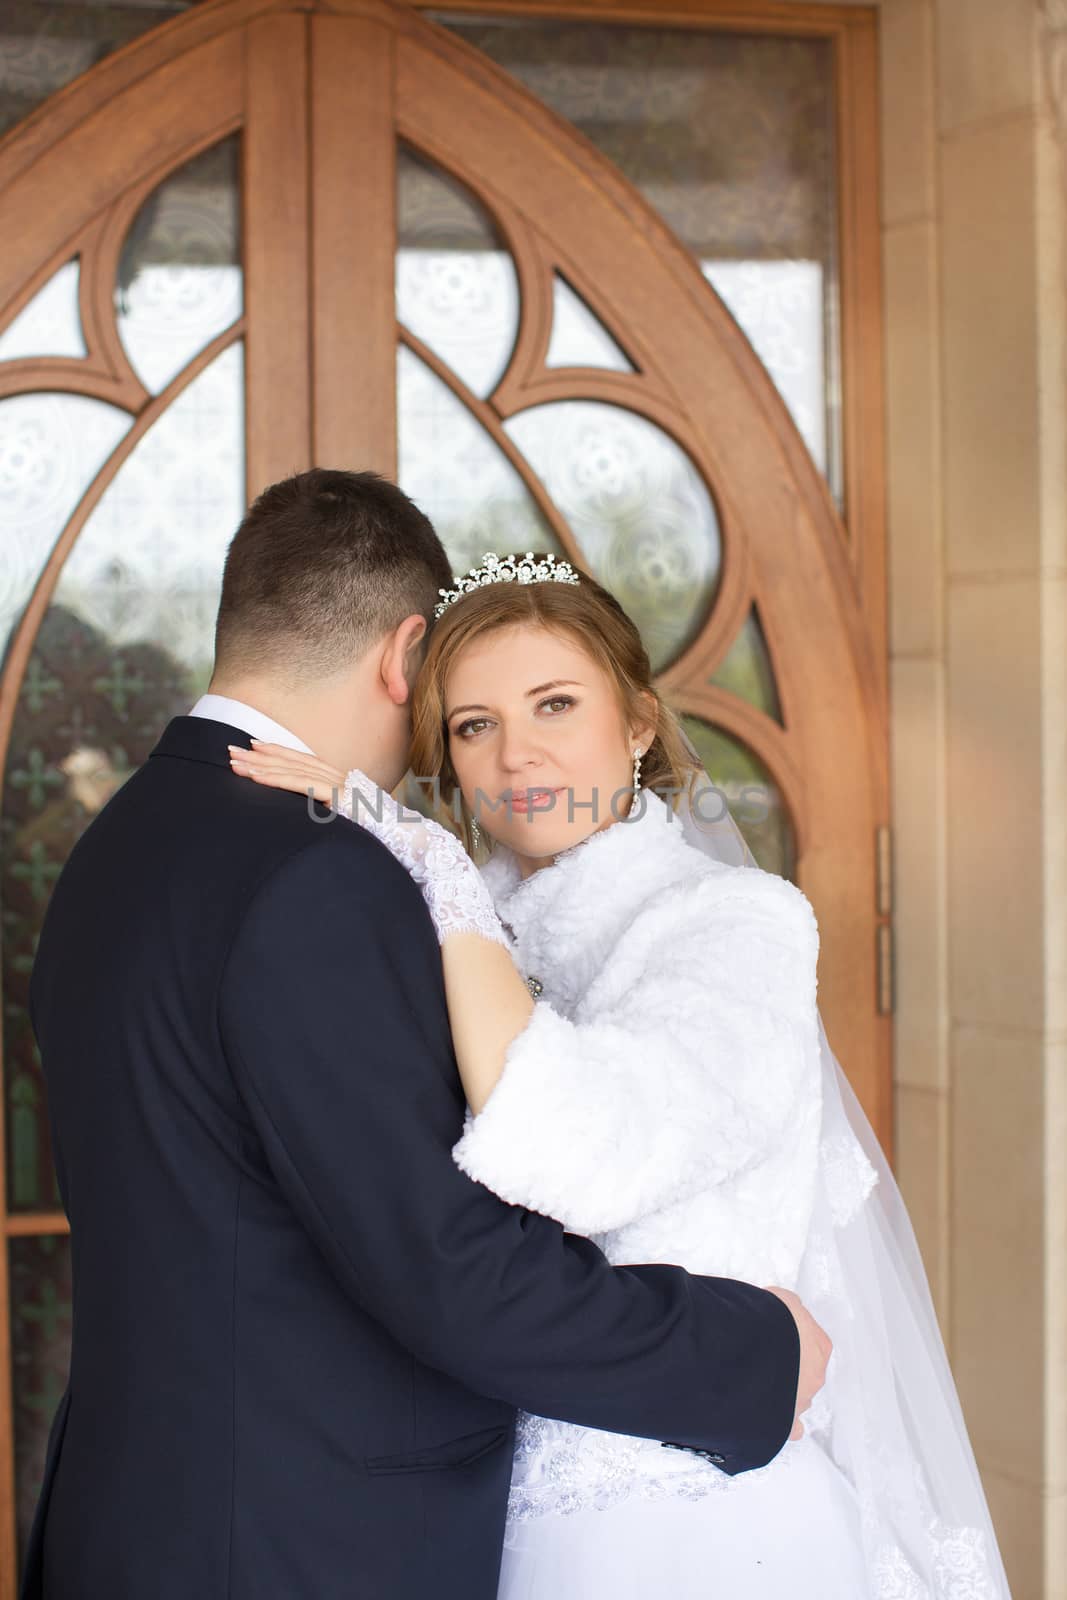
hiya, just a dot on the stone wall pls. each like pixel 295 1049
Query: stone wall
pixel 974 112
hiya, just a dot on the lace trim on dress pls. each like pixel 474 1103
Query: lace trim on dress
pixel 959 1562
pixel 561 1468
pixel 955 1560
pixel 847 1175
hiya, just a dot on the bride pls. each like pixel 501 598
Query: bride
pixel 650 1069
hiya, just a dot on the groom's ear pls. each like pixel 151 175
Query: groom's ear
pixel 403 656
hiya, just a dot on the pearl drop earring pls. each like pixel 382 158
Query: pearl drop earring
pixel 637 772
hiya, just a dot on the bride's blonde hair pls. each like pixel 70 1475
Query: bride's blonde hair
pixel 590 617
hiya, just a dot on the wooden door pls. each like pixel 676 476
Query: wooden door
pixel 302 124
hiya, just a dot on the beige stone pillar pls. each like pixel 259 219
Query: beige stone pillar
pixel 974 204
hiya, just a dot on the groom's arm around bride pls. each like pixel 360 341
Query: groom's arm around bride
pixel 333 1016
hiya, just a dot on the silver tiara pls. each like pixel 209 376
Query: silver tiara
pixel 508 569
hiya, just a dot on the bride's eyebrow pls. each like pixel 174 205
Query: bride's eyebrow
pixel 557 683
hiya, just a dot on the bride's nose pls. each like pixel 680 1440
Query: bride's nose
pixel 518 749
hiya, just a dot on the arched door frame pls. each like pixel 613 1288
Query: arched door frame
pixel 320 337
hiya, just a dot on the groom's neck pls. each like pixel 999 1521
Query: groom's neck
pixel 323 716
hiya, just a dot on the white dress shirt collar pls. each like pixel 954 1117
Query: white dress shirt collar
pixel 220 708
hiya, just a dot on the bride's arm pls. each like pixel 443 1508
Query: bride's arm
pixel 691 1070
pixel 489 1004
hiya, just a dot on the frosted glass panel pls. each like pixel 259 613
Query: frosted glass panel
pixel 755 800
pixel 639 510
pixel 44 45
pixel 456 288
pixel 465 484
pixel 779 307
pixel 125 645
pixel 51 448
pixel 179 278
pixel 50 325
pixel 148 564
pixel 730 138
pixel 580 339
pixel 746 669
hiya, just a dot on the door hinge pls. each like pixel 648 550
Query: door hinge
pixel 883 905
pixel 885 969
pixel 883 892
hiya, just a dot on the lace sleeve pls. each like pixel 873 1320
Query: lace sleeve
pixel 692 1078
pixel 452 887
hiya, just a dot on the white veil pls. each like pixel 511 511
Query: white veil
pixel 889 1415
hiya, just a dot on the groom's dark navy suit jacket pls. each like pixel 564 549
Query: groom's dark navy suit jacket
pixel 300 1333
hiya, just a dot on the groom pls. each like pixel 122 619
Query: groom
pixel 300 1333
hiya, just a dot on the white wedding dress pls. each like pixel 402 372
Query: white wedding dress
pixel 665 1100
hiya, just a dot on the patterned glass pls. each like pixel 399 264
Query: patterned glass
pixel 148 564
pixel 40 1357
pixel 639 510
pixel 50 324
pixel 51 448
pixel 461 479
pixel 44 45
pixel 746 669
pixel 781 308
pixel 179 276
pixel 579 338
pixel 456 286
pixel 730 137
pixel 756 803
pixel 125 644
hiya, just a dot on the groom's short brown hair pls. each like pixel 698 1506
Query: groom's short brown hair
pixel 323 565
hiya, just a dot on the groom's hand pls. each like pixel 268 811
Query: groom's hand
pixel 815 1351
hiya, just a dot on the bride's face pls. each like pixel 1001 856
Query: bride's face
pixel 532 717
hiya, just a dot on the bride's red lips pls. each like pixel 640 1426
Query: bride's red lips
pixel 530 799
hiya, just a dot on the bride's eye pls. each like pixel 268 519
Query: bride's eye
pixel 461 728
pixel 470 728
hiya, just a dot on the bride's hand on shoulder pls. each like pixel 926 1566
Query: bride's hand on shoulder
pixel 352 794
pixel 451 884
pixel 279 767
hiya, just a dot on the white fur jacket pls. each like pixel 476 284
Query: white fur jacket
pixel 664 1098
